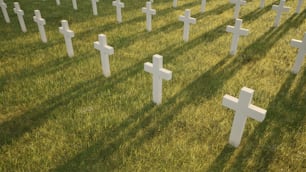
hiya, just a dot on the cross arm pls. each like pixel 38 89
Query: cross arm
pixel 66 32
pixel 230 102
pixel 182 18
pixel 165 74
pixel 108 49
pixel 193 21
pixel 21 12
pixel 244 32
pixel 3 5
pixel 148 67
pixel 275 7
pixel 229 28
pixel 39 20
pixel 296 43
pixel 257 113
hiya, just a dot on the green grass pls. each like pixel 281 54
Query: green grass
pixel 60 114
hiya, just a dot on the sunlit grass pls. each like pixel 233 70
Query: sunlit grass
pixel 60 114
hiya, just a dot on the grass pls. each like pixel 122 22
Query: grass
pixel 60 114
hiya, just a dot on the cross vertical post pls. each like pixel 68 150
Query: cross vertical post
pixel 174 3
pixel 94 7
pixel 262 4
pixel 299 6
pixel 4 11
pixel 203 5
pixel 74 4
pixel 238 4
pixel 301 45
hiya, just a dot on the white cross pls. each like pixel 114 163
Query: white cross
pixel 40 22
pixel 105 51
pixel 149 12
pixel 20 14
pixel 262 4
pixel 159 73
pixel 94 7
pixel 244 109
pixel 68 34
pixel 279 9
pixel 58 2
pixel 237 3
pixel 299 6
pixel 4 11
pixel 187 21
pixel 301 45
pixel 237 31
pixel 74 4
pixel 174 3
pixel 118 6
pixel 203 5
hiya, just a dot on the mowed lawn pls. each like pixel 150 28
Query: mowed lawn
pixel 61 114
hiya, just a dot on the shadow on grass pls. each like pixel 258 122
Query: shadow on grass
pixel 36 116
pixel 283 120
pixel 255 51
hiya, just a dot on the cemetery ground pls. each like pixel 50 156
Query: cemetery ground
pixel 61 114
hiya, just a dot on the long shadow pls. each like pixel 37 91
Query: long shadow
pixel 254 52
pixel 111 25
pixel 38 114
pixel 283 120
pixel 161 116
pixel 208 36
pixel 126 41
pixel 196 90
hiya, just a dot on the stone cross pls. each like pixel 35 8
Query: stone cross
pixel 149 12
pixel 94 7
pixel 237 3
pixel 203 5
pixel 4 11
pixel 58 2
pixel 20 14
pixel 262 4
pixel 118 6
pixel 301 45
pixel 187 21
pixel 74 4
pixel 299 6
pixel 237 31
pixel 68 34
pixel 40 22
pixel 105 51
pixel 281 8
pixel 174 3
pixel 159 73
pixel 244 109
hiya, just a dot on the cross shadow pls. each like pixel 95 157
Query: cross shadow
pixel 254 52
pixel 113 24
pixel 284 114
pixel 38 115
